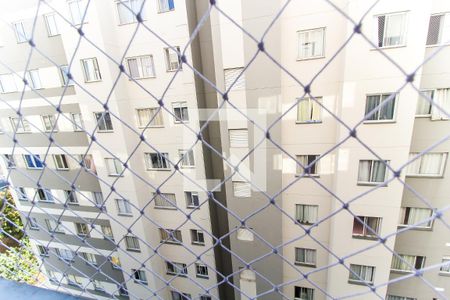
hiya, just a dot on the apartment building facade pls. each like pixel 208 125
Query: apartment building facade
pixel 270 238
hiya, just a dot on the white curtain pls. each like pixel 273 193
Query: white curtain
pixel 423 106
pixel 133 68
pixel 417 215
pixel 364 171
pixel 441 98
pixel 406 264
pixel 379 171
pixel 147 66
pixel 316 110
pixel 394 33
pixel 316 37
pixel 303 110
pixel 306 213
pixel 431 164
pixel 414 167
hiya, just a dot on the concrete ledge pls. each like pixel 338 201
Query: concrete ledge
pixel 22 291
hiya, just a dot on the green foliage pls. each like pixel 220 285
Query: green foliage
pixel 19 264
pixel 10 217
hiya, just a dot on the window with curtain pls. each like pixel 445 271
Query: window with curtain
pixel 139 276
pixel 89 258
pixel 231 77
pixel 78 8
pixel 186 158
pixel 383 113
pixel 307 165
pixel 303 293
pixel 132 243
pixel 445 265
pixel 128 9
pixel 49 122
pixel 423 108
pixel 441 98
pixel 361 273
pixel 306 257
pixel 166 5
pixel 91 69
pixel 7 83
pixel 149 117
pixel 306 214
pixel 393 297
pixel 175 268
pixel 242 189
pixel 107 232
pixel 180 110
pixel 165 200
pixel 438 29
pixel 114 167
pixel 173 61
pixel 410 216
pixel 141 66
pixel 309 110
pixel 371 171
pixel 427 165
pixel 407 263
pixel 367 227
pixel 170 236
pixel 238 138
pixel 20 125
pixel 392 29
pixel 156 161
pixel 123 207
pixel 311 43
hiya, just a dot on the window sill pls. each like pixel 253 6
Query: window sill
pixel 128 23
pixel 437 45
pixel 115 175
pixel 165 11
pixel 379 122
pixel 171 71
pixel 423 116
pixel 415 227
pixel 58 169
pixel 140 282
pixel 165 207
pixel 305 264
pixel 388 47
pixel 176 274
pixel 152 126
pixel 124 215
pixel 53 35
pixel 34 168
pixel 23 132
pixel 308 122
pixel 35 229
pixel 305 224
pixel 442 273
pixel 187 167
pixel 310 58
pixel 357 282
pixel 73 203
pixel 171 243
pixel 193 207
pixel 141 78
pixel 371 184
pixel 181 122
pixel 198 244
pixel 134 250
pixel 93 81
pixel 401 271
pixel 308 175
pixel 157 169
pixel 104 131
pixel 46 201
pixel 364 237
pixel 424 176
pixel 202 276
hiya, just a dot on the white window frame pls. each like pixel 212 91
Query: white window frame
pixel 82 229
pixel 162 157
pixel 142 277
pixel 313 106
pixel 190 199
pixel 132 8
pixel 201 270
pixel 135 243
pixel 430 93
pixel 25 35
pixel 53 226
pixel 35 158
pixel 61 162
pixel 419 161
pixel 303 221
pixel 21 193
pixel 445 16
pixel 33 223
pixel 80 13
pixel 89 258
pixel 367 233
pixel 379 109
pixel 52 30
pixel 395 297
pixel 48 196
pixel 77 121
pixel 140 66
pixel 371 175
pixel 238 185
pixel 118 167
pixel 304 293
pixel 34 79
pixel 306 33
pixel 165 7
pixel 107 232
pixel 445 269
pixel 176 269
pixel 49 120
pixel 124 207
pixel 166 238
pixel 11 86
pixel 404 35
pixel 306 263
pixel 20 125
pixel 406 211
pixel 63 70
pixel 96 75
pixel 314 167
pixel 197 237
pixel 187 158
pixel 360 278
pixel 155 114
pixel 406 269
pixel 168 55
pixel 71 197
pixel 10 161
pixel 182 107
pixel 43 251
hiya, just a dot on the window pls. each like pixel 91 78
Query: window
pixel 174 268
pixel 423 108
pixel 407 263
pixel 61 161
pixel 165 200
pixel 305 257
pixel 53 226
pixel 192 200
pixel 303 293
pixel 370 227
pixel 429 164
pixel 132 243
pixel 107 232
pixel 392 297
pixel 201 270
pixel 22 194
pixel 180 296
pixel 7 83
pixel 197 237
pixel 445 265
pixel 98 286
pixel 360 273
pixel 33 161
pixel 139 276
pixel 33 223
pixel 308 164
pixel 124 207
pixel 141 67
pixel 64 70
pixel 122 289
pixel 180 110
pixel 98 198
pixel 149 117
pixel 187 158
pixel 244 234
pixel 238 138
pixel 311 43
pixel 157 160
pixel 50 22
pixel 43 251
pixel 114 166
pixel 231 77
pixel 9 161
pixel 438 29
pixel 77 11
pixel 173 61
pixel 45 195
pixel 33 79
pixel 241 189
pixel 91 70
pixel 71 197
pixel 205 297
pixel 52 276
pixel 89 258
pixel 115 262
pixel 409 216
pixel 20 125
pixel 49 123
pixel 65 254
pixel 384 113
pixel 104 121
pixel 166 5
pixel 306 214
pixel 442 98
pixel 372 171
pixel 77 121
pixel 73 280
pixel 82 229
pixel 87 161
pixel 170 236
pixel 23 31
pixel 392 30
pixel 128 9
pixel 309 111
